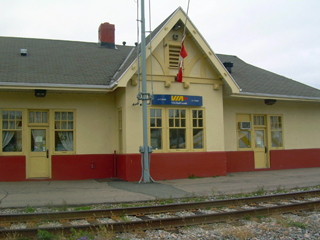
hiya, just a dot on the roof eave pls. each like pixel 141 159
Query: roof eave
pixel 58 87
pixel 275 96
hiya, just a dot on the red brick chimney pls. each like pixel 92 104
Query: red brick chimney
pixel 106 35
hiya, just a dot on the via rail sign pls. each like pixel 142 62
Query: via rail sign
pixel 185 100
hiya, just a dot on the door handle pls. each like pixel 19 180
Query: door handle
pixel 265 149
pixel 47 153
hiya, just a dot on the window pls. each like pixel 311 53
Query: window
pixel 176 129
pixel 244 139
pixel 11 131
pixel 244 129
pixel 64 131
pixel 197 129
pixel 259 120
pixel 37 117
pixel 276 131
pixel 156 128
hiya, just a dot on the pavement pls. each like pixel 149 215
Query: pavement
pixel 54 193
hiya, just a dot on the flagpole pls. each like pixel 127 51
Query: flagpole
pixel 146 150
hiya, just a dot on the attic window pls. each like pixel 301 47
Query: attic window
pixel 174 52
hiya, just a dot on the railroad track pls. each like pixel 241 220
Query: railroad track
pixel 198 213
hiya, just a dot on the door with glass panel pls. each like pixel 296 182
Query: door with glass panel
pixel 38 144
pixel 260 147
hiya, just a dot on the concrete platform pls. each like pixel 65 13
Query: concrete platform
pixel 48 193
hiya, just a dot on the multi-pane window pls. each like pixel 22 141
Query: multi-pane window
pixel 276 131
pixel 64 130
pixel 11 131
pixel 176 129
pixel 38 117
pixel 197 129
pixel 156 128
pixel 259 120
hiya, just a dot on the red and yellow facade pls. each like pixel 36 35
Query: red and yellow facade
pixel 73 134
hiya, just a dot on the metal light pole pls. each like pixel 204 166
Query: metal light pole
pixel 145 96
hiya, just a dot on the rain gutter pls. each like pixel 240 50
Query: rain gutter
pixel 65 87
pixel 274 96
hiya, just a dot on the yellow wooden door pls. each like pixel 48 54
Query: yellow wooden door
pixel 38 154
pixel 260 149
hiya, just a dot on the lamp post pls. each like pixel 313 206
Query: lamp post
pixel 145 150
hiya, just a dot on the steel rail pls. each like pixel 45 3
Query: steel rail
pixel 89 214
pixel 170 222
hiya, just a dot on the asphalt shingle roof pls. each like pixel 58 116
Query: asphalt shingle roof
pixel 58 62
pixel 137 51
pixel 83 63
pixel 258 81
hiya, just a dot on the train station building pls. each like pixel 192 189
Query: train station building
pixel 69 112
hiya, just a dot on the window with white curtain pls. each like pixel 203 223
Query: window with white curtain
pixel 11 130
pixel 64 131
pixel 176 129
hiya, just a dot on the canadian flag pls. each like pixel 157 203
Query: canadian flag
pixel 183 54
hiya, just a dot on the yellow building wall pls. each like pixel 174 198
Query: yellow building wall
pixel 212 102
pixel 301 128
pixel 95 116
pixel 120 97
pixel 195 64
pixel 197 71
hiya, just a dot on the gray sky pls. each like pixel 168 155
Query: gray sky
pixel 281 36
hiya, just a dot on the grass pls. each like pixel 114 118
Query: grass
pixel 260 217
pixel 238 232
pixel 192 176
pixel 281 189
pixel 260 191
pixel 124 218
pixel 84 208
pixel 45 235
pixel 29 210
pixel 289 223
pixel 64 205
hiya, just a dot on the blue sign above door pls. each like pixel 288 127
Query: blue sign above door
pixel 185 100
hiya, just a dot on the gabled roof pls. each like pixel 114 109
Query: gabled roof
pixel 73 65
pixel 58 63
pixel 255 81
pixel 156 38
pixel 137 52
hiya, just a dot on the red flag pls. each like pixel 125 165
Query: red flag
pixel 183 54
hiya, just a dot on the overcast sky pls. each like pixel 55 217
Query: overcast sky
pixel 281 36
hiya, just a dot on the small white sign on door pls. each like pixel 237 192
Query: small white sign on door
pixel 38 139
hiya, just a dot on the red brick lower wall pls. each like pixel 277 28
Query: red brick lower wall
pixel 12 168
pixel 173 165
pixel 240 161
pixel 243 161
pixel 163 165
pixel 296 158
pixel 80 167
